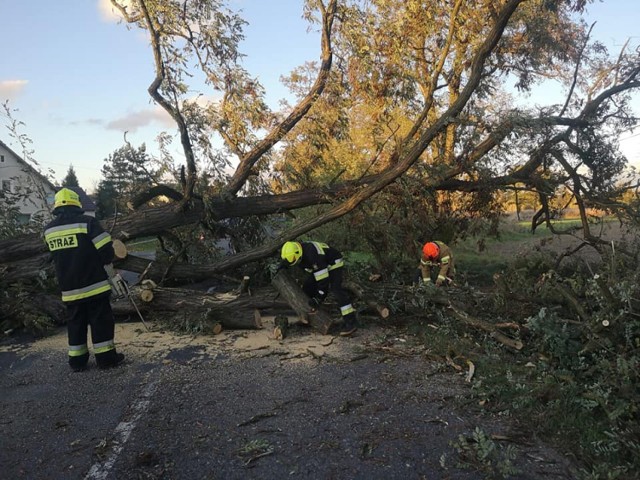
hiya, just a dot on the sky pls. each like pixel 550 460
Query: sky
pixel 78 79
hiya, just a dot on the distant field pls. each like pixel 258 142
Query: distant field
pixel 480 259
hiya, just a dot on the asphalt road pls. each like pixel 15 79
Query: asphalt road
pixel 241 406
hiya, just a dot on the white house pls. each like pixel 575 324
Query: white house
pixel 23 186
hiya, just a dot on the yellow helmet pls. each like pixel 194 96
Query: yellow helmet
pixel 66 198
pixel 291 252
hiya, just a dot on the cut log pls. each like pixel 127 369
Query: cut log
pixel 319 319
pixel 215 325
pixel 146 295
pixel 244 285
pixel 281 327
pixel 120 249
pixel 217 328
pixel 381 310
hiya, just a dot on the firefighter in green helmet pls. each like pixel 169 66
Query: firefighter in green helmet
pixel 80 249
pixel 325 264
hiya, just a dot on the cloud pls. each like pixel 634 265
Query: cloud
pixel 10 89
pixel 134 120
pixel 87 121
pixel 141 118
pixel 109 13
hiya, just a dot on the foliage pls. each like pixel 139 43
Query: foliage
pixel 403 92
pixel 580 385
pixel 32 183
pixel 11 224
pixel 19 312
pixel 126 172
pixel 482 453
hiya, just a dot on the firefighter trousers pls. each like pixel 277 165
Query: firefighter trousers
pixel 95 313
pixel 342 296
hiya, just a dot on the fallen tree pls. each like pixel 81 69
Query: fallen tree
pixel 231 310
pixel 440 138
pixel 291 292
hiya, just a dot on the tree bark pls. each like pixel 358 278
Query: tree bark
pixel 28 268
pixel 319 319
pixel 381 310
pixel 281 327
pixel 229 310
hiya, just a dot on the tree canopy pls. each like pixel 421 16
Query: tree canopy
pixel 413 99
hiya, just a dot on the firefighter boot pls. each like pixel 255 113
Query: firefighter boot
pixel 349 325
pixel 109 359
pixel 79 363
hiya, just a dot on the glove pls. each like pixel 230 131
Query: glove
pixel 118 285
pixel 314 302
pixel 440 280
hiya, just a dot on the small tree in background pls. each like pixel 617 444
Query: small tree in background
pixel 125 172
pixel 71 180
pixel 105 199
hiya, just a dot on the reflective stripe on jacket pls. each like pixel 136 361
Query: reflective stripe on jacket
pixel 80 248
pixel 444 261
pixel 319 259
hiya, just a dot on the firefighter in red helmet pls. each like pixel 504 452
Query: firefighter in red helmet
pixel 437 254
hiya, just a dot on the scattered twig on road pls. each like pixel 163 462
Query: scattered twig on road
pixel 257 418
pixel 328 343
pixel 255 457
pixel 472 369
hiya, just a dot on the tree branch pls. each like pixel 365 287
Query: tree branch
pixel 243 170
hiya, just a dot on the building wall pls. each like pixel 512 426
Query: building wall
pixel 17 178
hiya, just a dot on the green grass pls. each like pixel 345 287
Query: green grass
pixel 353 257
pixel 143 245
pixel 478 266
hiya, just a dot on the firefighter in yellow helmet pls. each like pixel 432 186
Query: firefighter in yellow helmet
pixel 437 254
pixel 80 249
pixel 325 264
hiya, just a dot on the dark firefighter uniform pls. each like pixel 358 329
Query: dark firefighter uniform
pixel 325 264
pixel 80 248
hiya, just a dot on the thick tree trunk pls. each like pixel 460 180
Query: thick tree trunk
pixel 179 273
pixel 29 268
pixel 296 298
pixel 151 221
pixel 229 310
pixel 49 305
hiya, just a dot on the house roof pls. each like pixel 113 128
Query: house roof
pixel 88 205
pixel 44 179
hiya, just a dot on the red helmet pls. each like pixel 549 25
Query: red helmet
pixel 431 250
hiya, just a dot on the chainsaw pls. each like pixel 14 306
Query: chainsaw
pixel 121 290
